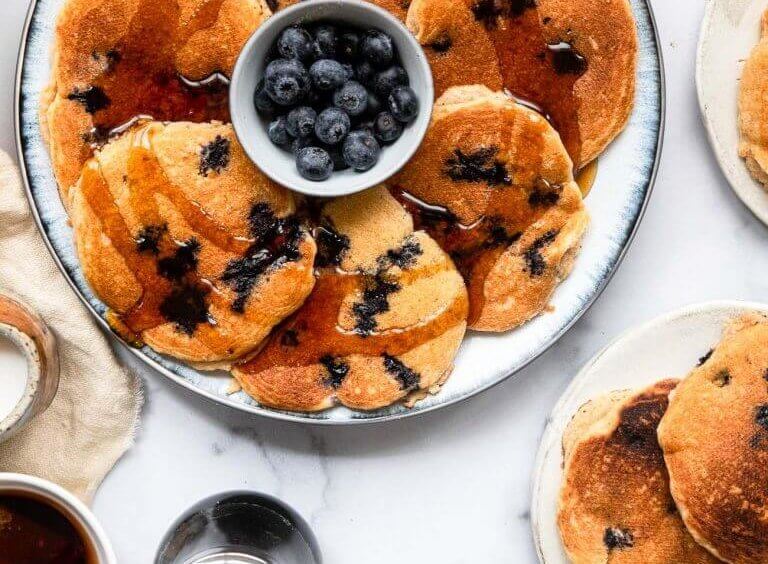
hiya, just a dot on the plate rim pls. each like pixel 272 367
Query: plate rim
pixel 261 411
pixel 550 433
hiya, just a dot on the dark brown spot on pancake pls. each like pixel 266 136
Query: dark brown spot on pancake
pixel 442 43
pixel 375 301
pixel 331 246
pixel 488 11
pixel 706 357
pixel 290 339
pixel 403 257
pixel 546 20
pixel 408 379
pixel 761 415
pixel 477 166
pixel 214 157
pixel 92 98
pixel 498 236
pixel 186 307
pixel 533 258
pixel 765 375
pixel 722 378
pixel 545 195
pixel 337 370
pixel 148 239
pixel 616 538
pixel 273 5
pixel 566 59
pixel 183 260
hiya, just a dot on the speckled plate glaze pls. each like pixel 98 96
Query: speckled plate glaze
pixel 616 203
pixel 666 347
pixel 729 31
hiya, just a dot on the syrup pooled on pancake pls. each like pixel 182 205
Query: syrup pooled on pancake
pixel 493 185
pixel 385 318
pixel 189 268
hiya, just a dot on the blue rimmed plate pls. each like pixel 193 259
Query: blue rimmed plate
pixel 616 203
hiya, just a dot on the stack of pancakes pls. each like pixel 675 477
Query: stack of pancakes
pixel 677 472
pixel 753 89
pixel 364 300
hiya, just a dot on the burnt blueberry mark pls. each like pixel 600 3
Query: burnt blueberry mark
pixel 214 157
pixel 546 20
pixel 404 257
pixel 290 339
pixel 331 246
pixel 615 538
pixel 337 370
pixel 545 197
pixel 761 415
pixel 759 441
pixel 148 239
pixel 498 236
pixel 183 260
pixel 408 379
pixel 442 43
pixel 92 98
pixel 566 59
pixel 96 137
pixel 488 11
pixel 273 5
pixel 477 166
pixel 765 375
pixel 533 258
pixel 706 357
pixel 276 241
pixel 722 378
pixel 186 307
pixel 375 301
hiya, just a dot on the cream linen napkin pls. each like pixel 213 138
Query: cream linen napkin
pixel 93 419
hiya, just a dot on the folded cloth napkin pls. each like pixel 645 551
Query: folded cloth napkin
pixel 93 419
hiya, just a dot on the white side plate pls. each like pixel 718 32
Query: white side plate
pixel 666 347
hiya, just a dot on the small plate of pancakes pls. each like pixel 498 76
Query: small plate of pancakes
pixel 731 70
pixel 419 293
pixel 602 482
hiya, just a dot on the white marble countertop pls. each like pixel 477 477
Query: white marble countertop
pixel 451 486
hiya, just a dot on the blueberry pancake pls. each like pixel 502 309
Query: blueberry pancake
pixel 715 442
pixel 576 64
pixel 383 323
pixel 493 184
pixel 752 108
pixel 193 249
pixel 615 504
pixel 118 59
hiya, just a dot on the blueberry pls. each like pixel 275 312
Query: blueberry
pixel 374 105
pixel 386 128
pixel 349 70
pixel 376 47
pixel 327 74
pixel 300 142
pixel 262 101
pixel 336 157
pixel 361 151
pixel 403 104
pixel 352 98
pixel 278 133
pixel 301 121
pixel 314 163
pixel 286 81
pixel 349 46
pixel 326 41
pixel 364 72
pixel 295 43
pixel 385 81
pixel 332 125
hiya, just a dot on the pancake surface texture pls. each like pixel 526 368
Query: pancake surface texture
pixel 117 59
pixel 615 504
pixel 753 107
pixel 573 61
pixel 493 184
pixel 384 322
pixel 715 442
pixel 190 245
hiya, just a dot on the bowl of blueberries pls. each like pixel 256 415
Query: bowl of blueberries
pixel 330 97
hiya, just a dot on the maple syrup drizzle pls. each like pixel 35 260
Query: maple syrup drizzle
pixel 586 177
pixel 313 333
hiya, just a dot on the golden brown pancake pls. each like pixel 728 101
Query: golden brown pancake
pixel 615 504
pixel 190 245
pixel 753 108
pixel 715 442
pixel 493 184
pixel 384 321
pixel 116 59
pixel 575 63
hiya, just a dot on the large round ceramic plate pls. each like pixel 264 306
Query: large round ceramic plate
pixel 731 28
pixel 666 347
pixel 616 203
